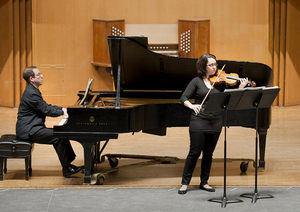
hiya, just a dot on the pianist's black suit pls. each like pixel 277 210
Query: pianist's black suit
pixel 31 124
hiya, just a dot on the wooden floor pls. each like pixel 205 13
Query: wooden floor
pixel 282 157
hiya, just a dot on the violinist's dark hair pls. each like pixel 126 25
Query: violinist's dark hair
pixel 202 63
pixel 27 73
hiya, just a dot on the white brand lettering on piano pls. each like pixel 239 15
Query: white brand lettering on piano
pixel 91 124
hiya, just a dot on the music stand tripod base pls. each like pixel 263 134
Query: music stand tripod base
pixel 224 201
pixel 255 196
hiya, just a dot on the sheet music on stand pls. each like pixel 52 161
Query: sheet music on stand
pixel 254 97
pixel 246 95
pixel 244 89
pixel 237 97
pixel 268 92
pixel 251 89
pixel 86 91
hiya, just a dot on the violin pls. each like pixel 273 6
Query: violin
pixel 230 79
pixel 223 77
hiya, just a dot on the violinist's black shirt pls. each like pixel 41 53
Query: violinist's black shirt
pixel 204 121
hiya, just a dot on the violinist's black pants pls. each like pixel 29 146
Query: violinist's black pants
pixel 200 142
pixel 62 146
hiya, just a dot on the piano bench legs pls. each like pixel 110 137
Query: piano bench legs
pixel 12 148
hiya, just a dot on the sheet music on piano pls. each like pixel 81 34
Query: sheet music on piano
pixel 86 91
pixel 65 119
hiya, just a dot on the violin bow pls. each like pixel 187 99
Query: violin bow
pixel 212 85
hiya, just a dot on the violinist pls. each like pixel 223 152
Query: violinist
pixel 205 127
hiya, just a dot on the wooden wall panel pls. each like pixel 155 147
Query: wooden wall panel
pixel 62 33
pixel 56 81
pixel 282 52
pixel 239 29
pixel 193 37
pixel 292 64
pixel 284 16
pixel 101 29
pixel 15 41
pixel 20 82
pixel 16 52
pixel 278 24
pixel 6 54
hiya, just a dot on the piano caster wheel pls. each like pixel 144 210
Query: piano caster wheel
pixel 244 167
pixel 113 162
pixel 100 179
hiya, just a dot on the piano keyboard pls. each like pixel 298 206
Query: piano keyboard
pixel 63 121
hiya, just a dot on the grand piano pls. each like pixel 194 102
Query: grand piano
pixel 148 87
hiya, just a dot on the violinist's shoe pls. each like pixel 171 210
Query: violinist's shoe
pixel 182 190
pixel 206 187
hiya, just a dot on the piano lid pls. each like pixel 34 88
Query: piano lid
pixel 144 70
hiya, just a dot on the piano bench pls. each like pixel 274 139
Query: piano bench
pixel 12 148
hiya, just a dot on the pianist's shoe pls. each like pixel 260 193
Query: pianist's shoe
pixel 71 169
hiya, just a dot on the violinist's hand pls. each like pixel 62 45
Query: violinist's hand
pixel 243 82
pixel 196 108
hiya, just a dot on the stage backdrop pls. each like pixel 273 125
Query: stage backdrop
pixel 57 37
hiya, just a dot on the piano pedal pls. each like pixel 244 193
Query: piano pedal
pixel 113 162
pixel 244 167
pixel 245 164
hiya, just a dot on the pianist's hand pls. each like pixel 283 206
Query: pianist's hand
pixel 65 113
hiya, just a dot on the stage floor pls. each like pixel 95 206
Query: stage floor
pixel 282 160
pixel 145 200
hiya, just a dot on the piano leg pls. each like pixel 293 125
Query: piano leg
pixel 87 146
pixel 262 132
pixel 87 143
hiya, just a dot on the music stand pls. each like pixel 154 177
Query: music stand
pixel 223 102
pixel 261 99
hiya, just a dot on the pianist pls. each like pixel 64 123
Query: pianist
pixel 31 121
pixel 205 127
